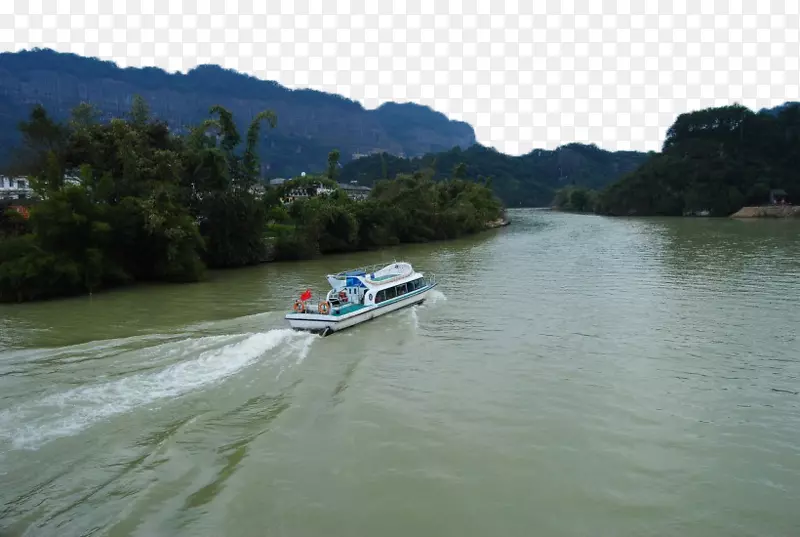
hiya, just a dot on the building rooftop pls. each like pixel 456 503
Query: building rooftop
pixel 346 186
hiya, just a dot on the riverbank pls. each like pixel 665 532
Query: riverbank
pixel 500 222
pixel 769 211
pixel 270 257
pixel 168 216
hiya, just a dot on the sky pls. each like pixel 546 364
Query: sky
pixel 525 74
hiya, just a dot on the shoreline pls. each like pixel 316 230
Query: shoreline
pixel 500 222
pixel 768 211
pixel 494 224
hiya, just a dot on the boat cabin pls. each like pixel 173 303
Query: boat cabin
pixel 367 287
pixel 359 295
pixel 399 290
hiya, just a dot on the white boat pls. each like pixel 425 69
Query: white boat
pixel 358 295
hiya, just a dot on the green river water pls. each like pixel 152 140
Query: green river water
pixel 571 376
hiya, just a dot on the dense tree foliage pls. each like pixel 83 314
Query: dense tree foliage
pixel 575 199
pixel 409 208
pixel 527 180
pixel 147 205
pixel 128 200
pixel 715 160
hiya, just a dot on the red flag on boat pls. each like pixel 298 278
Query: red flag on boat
pixel 306 296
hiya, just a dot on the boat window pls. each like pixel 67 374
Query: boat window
pixel 391 293
pixel 401 289
pixel 380 297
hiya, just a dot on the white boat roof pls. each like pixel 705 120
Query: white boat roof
pixel 376 276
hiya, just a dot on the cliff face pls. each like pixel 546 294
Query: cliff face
pixel 310 123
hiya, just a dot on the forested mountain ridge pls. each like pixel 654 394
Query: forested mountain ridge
pixel 527 180
pixel 312 123
pixel 713 162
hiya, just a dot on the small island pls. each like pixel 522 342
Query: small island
pixel 128 201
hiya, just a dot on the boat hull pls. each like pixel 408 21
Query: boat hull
pixel 326 324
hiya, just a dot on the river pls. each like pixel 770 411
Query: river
pixel 572 376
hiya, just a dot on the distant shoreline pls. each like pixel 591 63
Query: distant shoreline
pixel 753 212
pixel 768 211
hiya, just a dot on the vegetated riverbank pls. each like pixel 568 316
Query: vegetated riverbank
pixel 713 162
pixel 129 201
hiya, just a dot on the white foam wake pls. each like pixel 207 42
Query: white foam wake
pixel 435 296
pixel 414 317
pixel 32 424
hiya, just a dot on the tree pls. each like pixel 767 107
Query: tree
pixel 83 116
pixel 250 160
pixel 43 142
pixel 460 171
pixel 714 160
pixel 140 111
pixel 333 165
pixel 154 206
pixel 384 169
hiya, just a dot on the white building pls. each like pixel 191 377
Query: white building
pixel 355 191
pixel 14 188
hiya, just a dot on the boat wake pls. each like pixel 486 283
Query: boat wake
pixel 414 318
pixel 435 296
pixel 34 423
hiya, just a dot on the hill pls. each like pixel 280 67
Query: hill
pixel 714 160
pixel 774 111
pixel 526 180
pixel 311 123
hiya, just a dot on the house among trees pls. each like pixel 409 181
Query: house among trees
pixel 777 196
pixel 355 191
pixel 306 191
pixel 15 188
pixel 19 188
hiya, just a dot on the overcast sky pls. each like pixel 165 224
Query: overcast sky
pixel 525 74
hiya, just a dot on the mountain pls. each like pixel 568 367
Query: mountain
pixel 310 123
pixel 714 160
pixel 526 180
